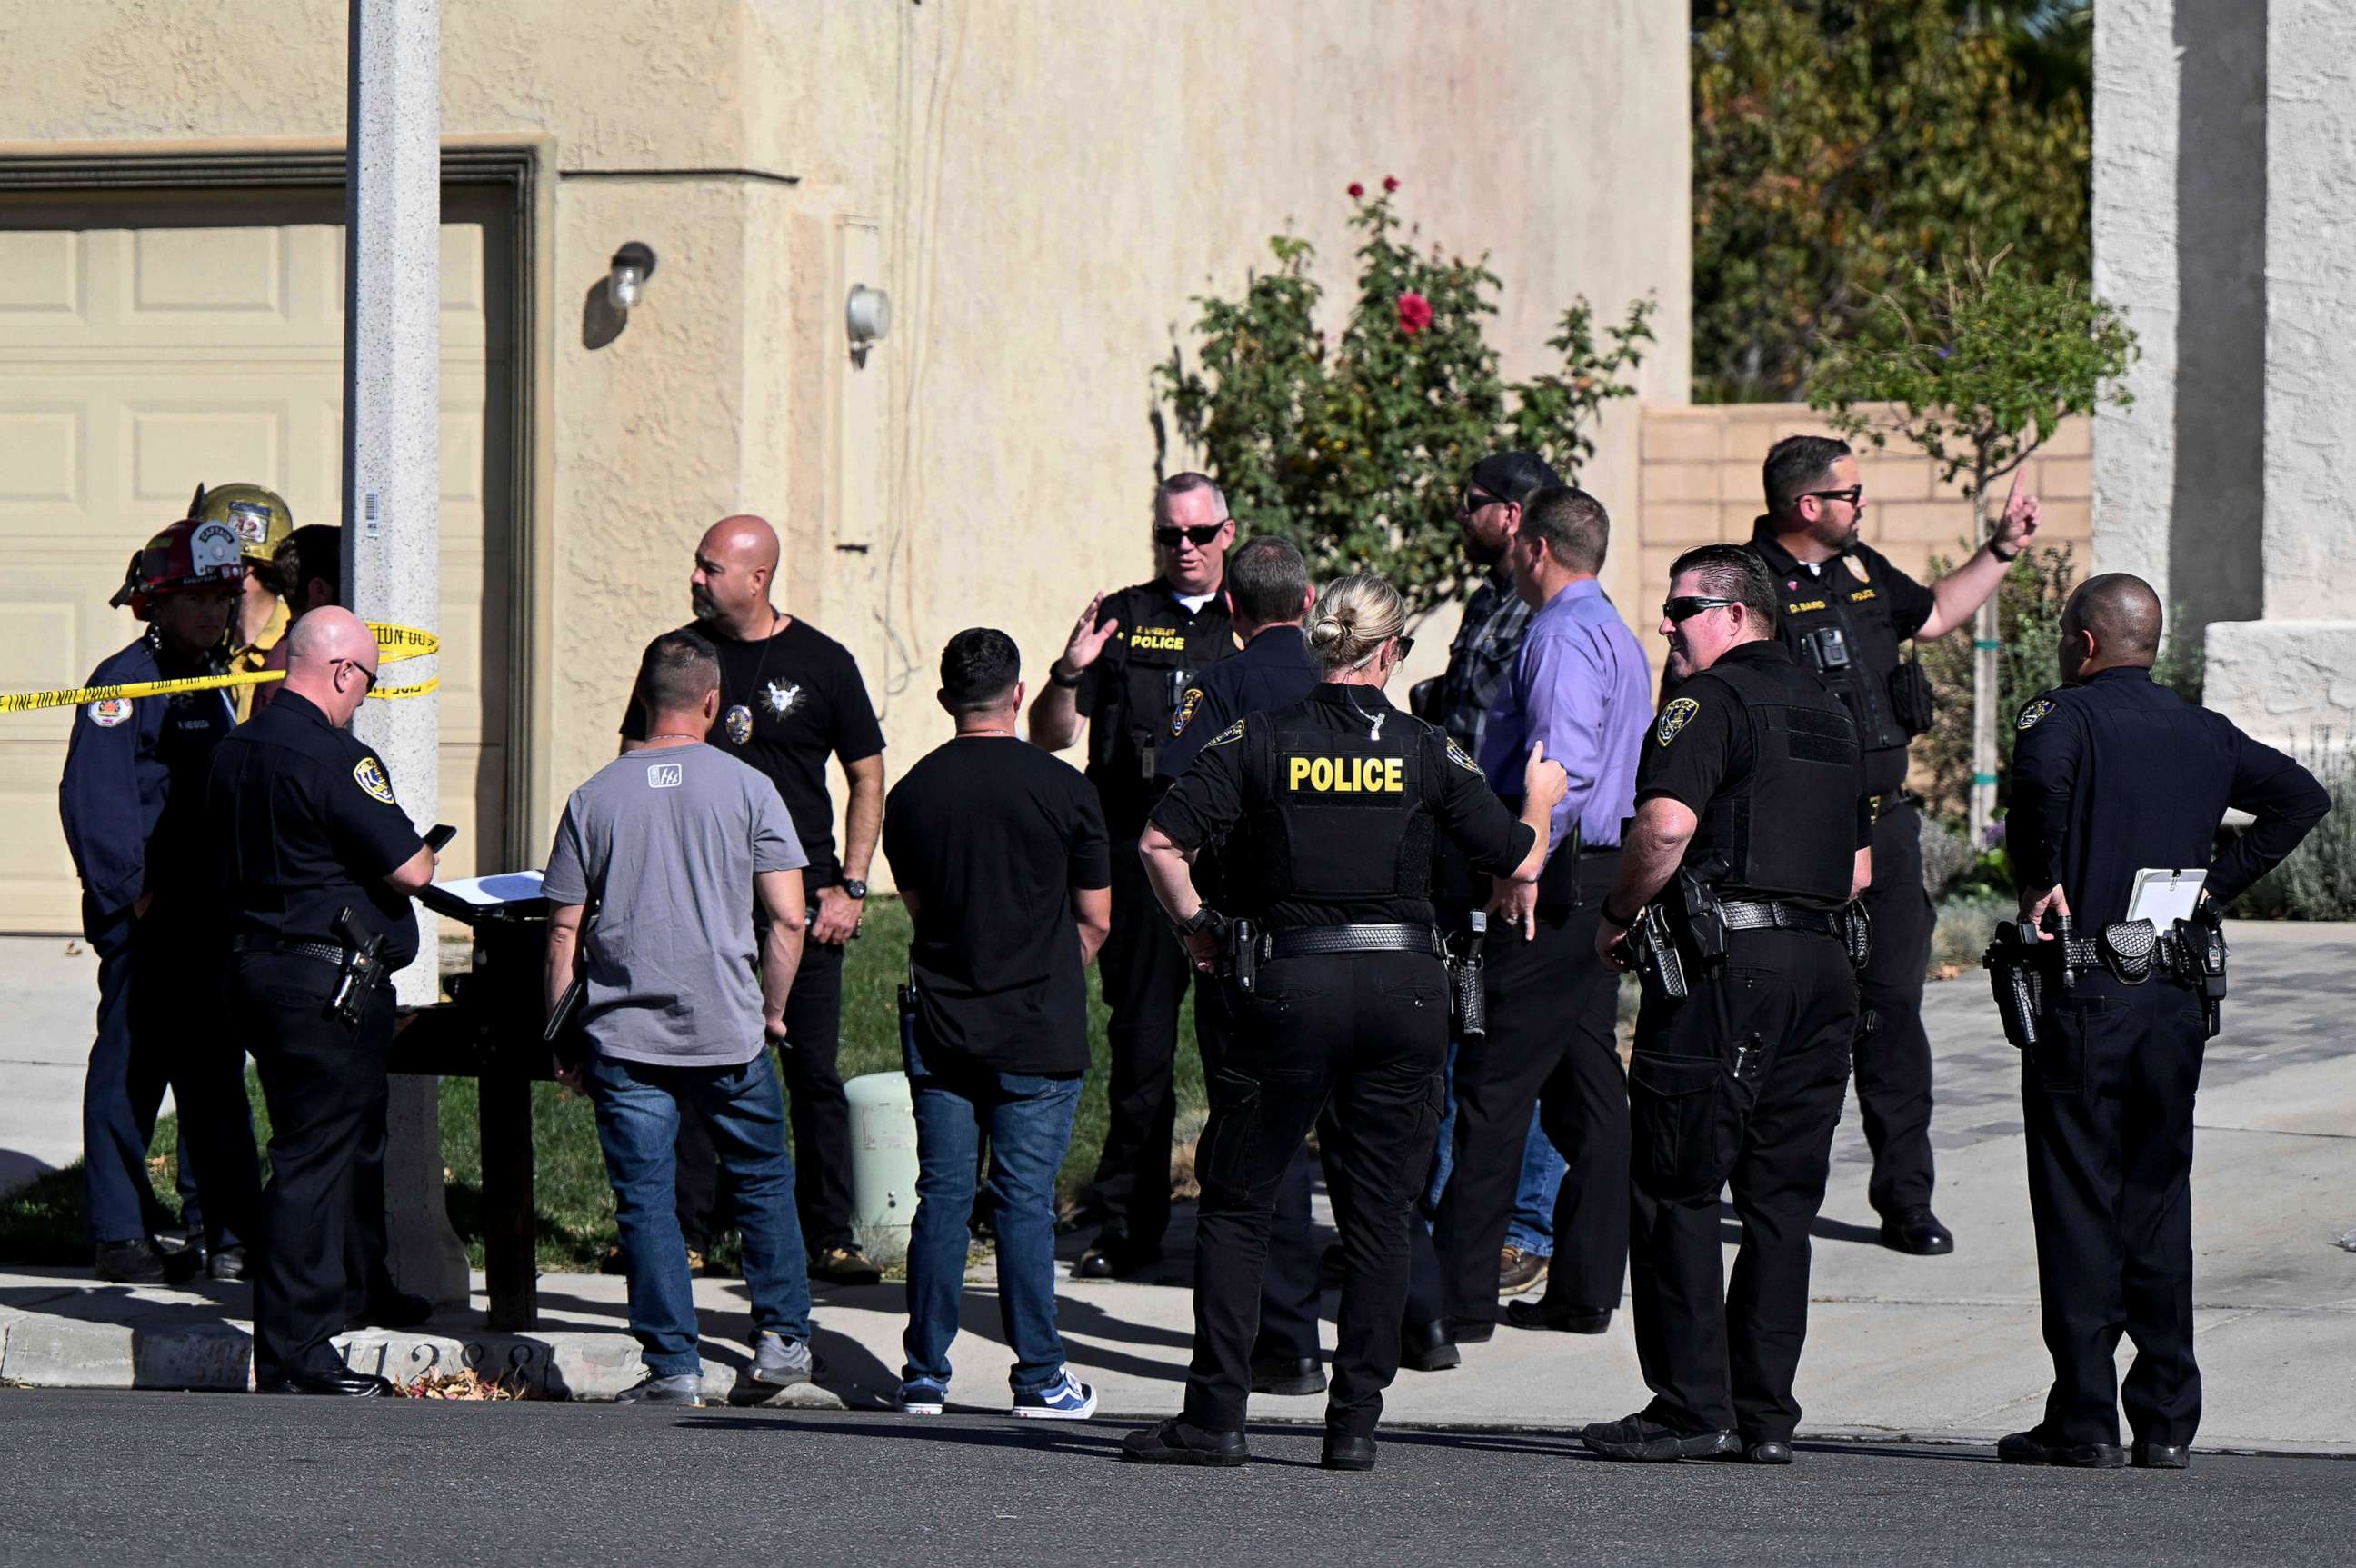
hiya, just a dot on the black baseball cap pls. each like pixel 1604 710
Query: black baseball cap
pixel 1513 476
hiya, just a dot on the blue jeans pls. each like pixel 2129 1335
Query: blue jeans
pixel 1029 1124
pixel 1542 1170
pixel 637 1126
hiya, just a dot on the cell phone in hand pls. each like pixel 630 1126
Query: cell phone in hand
pixel 440 834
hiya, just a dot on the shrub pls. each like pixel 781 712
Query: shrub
pixel 2318 880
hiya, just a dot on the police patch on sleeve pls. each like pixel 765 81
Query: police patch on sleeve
pixel 2034 712
pixel 1186 706
pixel 110 712
pixel 1232 732
pixel 368 774
pixel 1456 754
pixel 1675 717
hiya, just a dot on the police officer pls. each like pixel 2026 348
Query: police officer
pixel 1330 808
pixel 132 802
pixel 1267 594
pixel 2113 774
pixel 262 521
pixel 1125 668
pixel 317 861
pixel 1751 820
pixel 1845 610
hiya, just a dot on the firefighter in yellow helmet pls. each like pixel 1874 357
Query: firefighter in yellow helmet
pixel 262 521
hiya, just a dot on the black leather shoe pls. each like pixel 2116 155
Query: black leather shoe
pixel 843 1266
pixel 1472 1330
pixel 343 1380
pixel 1289 1379
pixel 1639 1437
pixel 2162 1456
pixel 1427 1348
pixel 1561 1319
pixel 389 1309
pixel 130 1263
pixel 1769 1452
pixel 1343 1452
pixel 1916 1230
pixel 1173 1442
pixel 2027 1448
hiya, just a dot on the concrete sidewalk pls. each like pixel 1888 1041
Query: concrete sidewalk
pixel 1941 1349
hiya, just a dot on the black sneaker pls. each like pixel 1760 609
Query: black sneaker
pixel 2027 1448
pixel 1173 1442
pixel 1639 1437
pixel 844 1265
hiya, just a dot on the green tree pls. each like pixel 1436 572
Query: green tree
pixel 1843 149
pixel 1356 449
pixel 1982 364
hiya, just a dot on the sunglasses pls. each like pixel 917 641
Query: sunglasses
pixel 366 673
pixel 1685 606
pixel 1198 537
pixel 1473 500
pixel 1852 495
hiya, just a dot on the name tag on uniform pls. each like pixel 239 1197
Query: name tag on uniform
pixel 1346 775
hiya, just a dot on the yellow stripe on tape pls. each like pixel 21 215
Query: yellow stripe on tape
pixel 394 643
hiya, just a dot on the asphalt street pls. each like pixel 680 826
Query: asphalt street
pixel 167 1478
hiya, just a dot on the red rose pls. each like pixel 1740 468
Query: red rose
pixel 1389 183
pixel 1415 313
pixel 1356 190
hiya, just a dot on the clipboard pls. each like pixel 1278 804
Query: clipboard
pixel 2163 896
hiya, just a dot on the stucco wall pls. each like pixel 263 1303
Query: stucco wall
pixel 1047 186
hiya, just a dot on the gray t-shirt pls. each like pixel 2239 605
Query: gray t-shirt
pixel 666 842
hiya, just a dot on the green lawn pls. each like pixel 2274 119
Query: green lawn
pixel 42 1223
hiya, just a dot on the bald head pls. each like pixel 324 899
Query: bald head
pixel 2112 621
pixel 736 563
pixel 331 660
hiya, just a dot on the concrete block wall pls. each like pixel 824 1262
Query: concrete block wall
pixel 1698 481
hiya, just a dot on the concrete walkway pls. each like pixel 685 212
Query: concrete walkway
pixel 1941 1349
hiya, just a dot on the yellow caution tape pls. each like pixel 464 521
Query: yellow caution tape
pixel 394 643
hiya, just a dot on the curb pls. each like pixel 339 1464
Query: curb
pixel 44 1351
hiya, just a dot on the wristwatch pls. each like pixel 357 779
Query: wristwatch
pixel 1998 550
pixel 1203 919
pixel 856 889
pixel 1604 909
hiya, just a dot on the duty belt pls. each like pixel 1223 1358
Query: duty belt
pixel 1306 941
pixel 1876 804
pixel 1742 915
pixel 325 952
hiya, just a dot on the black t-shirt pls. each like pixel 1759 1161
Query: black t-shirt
pixel 1132 694
pixel 990 836
pixel 309 826
pixel 787 702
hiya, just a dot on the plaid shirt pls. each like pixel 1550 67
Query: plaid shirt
pixel 1481 660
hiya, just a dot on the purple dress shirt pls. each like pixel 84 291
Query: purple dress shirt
pixel 1580 686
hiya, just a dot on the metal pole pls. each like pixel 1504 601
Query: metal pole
pixel 393 398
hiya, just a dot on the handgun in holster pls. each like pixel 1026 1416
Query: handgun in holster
pixel 2015 974
pixel 363 969
pixel 1698 919
pixel 2199 953
pixel 1660 966
pixel 1239 953
pixel 1467 993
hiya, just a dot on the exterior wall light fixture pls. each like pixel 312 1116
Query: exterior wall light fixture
pixel 868 315
pixel 632 265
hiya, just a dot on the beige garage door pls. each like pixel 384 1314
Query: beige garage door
pixel 148 342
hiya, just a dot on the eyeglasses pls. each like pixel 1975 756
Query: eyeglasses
pixel 1852 495
pixel 1198 536
pixel 1685 606
pixel 1472 501
pixel 366 673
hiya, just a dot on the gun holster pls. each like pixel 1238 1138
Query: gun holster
pixel 362 970
pixel 1239 954
pixel 2014 967
pixel 1660 965
pixel 1697 920
pixel 1857 933
pixel 2200 954
pixel 1467 993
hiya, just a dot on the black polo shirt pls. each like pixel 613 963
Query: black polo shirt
pixel 306 826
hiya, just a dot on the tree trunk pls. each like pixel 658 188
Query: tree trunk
pixel 1984 693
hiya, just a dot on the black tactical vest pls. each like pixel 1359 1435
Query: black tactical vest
pixel 1838 625
pixel 1332 816
pixel 1788 828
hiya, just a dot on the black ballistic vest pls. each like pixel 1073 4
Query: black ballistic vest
pixel 1788 828
pixel 1332 816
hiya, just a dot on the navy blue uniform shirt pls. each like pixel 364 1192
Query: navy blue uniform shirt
pixel 133 795
pixel 1274 671
pixel 307 825
pixel 2118 774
